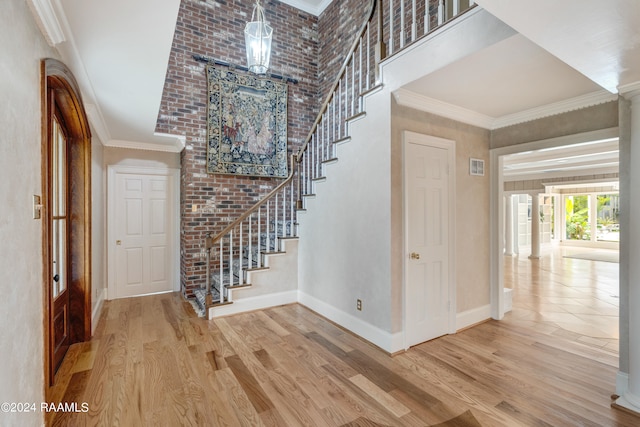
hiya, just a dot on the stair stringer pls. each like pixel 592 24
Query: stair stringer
pixel 274 285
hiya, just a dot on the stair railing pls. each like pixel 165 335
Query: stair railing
pixel 240 246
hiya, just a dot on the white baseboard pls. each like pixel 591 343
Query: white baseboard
pixel 473 316
pixel 622 383
pixel 97 310
pixel 387 341
pixel 508 299
pixel 254 303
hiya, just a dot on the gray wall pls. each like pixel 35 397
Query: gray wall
pixel 21 305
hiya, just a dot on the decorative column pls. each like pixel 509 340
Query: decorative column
pixel 631 397
pixel 516 223
pixel 535 226
pixel 593 216
pixel 508 225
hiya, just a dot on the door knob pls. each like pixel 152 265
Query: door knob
pixel 415 255
pixel 118 242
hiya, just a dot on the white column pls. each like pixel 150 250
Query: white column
pixel 631 397
pixel 508 225
pixel 593 216
pixel 558 215
pixel 516 224
pixel 535 226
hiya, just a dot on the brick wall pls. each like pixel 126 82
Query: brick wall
pixel 337 25
pixel 215 29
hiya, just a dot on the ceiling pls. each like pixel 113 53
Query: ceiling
pixel 582 159
pixel 119 52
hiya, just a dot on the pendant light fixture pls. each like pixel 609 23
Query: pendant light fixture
pixel 257 37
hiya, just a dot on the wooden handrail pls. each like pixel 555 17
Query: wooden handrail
pixel 296 158
pixel 332 92
pixel 210 241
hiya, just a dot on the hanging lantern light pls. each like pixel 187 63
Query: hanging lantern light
pixel 257 38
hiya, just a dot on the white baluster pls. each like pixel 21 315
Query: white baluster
pixel 368 54
pixel 276 241
pixel 441 12
pixel 471 3
pixel 427 20
pixel 402 23
pixel 230 259
pixel 346 101
pixel 360 73
pixel 292 211
pixel 240 253
pixel 221 283
pixel 414 21
pixel 325 139
pixel 456 7
pixel 250 241
pixel 284 211
pixel 340 108
pixel 268 239
pixel 353 83
pixel 390 46
pixel 259 255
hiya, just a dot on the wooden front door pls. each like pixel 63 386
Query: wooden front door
pixel 59 253
pixel 66 190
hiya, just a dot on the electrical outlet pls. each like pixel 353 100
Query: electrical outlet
pixel 359 304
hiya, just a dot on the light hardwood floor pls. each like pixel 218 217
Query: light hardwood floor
pixel 153 363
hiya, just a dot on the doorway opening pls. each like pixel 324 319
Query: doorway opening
pixel 574 180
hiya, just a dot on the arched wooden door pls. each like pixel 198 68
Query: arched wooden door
pixel 66 177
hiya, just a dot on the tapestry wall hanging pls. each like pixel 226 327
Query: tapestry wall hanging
pixel 246 124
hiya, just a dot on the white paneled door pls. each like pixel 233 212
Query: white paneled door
pixel 143 220
pixel 427 185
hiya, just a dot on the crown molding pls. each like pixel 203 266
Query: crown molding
pixel 175 144
pixel 313 7
pixel 629 89
pixel 444 109
pixel 47 20
pixel 454 112
pixel 97 122
pixel 571 104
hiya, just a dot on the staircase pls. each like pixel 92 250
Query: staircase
pixel 241 255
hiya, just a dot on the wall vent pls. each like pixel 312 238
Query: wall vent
pixel 476 167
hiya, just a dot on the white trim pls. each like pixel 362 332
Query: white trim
pixel 97 311
pixel 259 302
pixel 47 20
pixel 450 146
pixel 622 383
pixel 473 316
pixel 387 341
pixel 434 106
pixel 175 144
pixel 98 124
pixel 571 104
pixel 174 173
pixel 313 7
pixel 629 87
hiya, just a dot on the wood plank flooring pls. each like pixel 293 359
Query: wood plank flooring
pixel 153 363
